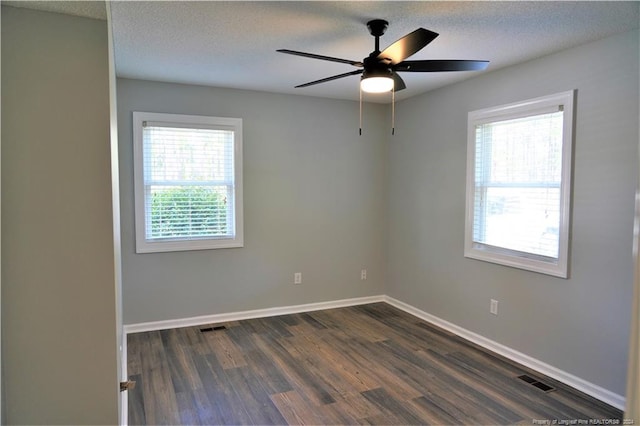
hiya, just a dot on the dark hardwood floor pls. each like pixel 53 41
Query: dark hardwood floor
pixel 370 364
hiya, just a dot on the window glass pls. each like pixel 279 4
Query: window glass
pixel 187 182
pixel 518 184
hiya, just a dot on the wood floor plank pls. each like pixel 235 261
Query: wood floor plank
pixel 183 373
pixel 207 412
pixel 295 409
pixel 446 408
pixel 136 415
pixel 502 383
pixel 271 327
pixel 358 324
pixel 483 393
pixel 227 407
pixel 335 414
pixel 262 365
pixel 368 364
pixel 366 357
pixel 228 353
pixel 187 412
pixel 327 362
pixel 305 316
pixel 158 392
pixel 135 340
pixel 392 407
pixel 592 408
pixel 404 330
pixel 254 399
pixel 356 406
pixel 296 373
pixel 445 381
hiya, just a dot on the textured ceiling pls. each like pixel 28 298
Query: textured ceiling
pixel 87 9
pixel 233 43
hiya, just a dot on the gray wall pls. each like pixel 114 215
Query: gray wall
pixel 579 325
pixel 58 302
pixel 314 202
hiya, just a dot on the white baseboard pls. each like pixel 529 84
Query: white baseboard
pixel 582 385
pixel 257 313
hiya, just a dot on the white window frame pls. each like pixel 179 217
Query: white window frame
pixel 143 245
pixel 557 267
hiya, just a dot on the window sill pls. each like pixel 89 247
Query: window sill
pixel 188 245
pixel 514 259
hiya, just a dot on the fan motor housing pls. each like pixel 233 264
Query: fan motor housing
pixel 374 67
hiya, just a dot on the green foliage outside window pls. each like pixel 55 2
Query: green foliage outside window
pixel 188 212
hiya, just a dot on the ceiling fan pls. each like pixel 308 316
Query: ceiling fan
pixel 380 69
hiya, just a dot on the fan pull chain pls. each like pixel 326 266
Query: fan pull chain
pixel 360 130
pixel 393 111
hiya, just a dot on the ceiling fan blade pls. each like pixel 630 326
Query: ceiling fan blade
pixel 398 82
pixel 335 77
pixel 437 65
pixel 407 45
pixel 321 57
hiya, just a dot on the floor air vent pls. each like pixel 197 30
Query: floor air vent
pixel 215 328
pixel 534 382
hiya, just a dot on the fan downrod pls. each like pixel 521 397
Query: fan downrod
pixel 377 27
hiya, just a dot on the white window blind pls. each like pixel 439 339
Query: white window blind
pixel 188 184
pixel 518 184
pixel 518 177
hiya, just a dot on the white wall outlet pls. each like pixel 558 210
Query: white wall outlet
pixel 297 278
pixel 363 274
pixel 493 308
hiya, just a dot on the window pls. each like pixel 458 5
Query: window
pixel 188 182
pixel 519 184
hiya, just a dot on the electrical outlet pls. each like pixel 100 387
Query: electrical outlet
pixel 494 307
pixel 363 274
pixel 297 278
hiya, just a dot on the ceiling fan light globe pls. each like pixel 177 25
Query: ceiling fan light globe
pixel 376 84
